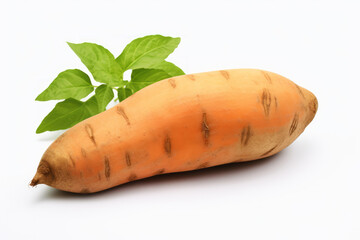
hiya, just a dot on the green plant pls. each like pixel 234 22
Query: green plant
pixel 144 56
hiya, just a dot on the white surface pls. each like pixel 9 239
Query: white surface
pixel 308 191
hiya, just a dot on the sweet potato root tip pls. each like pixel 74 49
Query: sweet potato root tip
pixel 34 182
pixel 43 174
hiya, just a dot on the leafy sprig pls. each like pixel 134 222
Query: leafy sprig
pixel 145 57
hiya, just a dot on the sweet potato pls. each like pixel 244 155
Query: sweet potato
pixel 180 124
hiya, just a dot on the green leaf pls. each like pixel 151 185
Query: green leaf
pixel 169 68
pixel 100 62
pixel 72 83
pixel 146 52
pixel 68 113
pixel 123 93
pixel 104 94
pixel 141 78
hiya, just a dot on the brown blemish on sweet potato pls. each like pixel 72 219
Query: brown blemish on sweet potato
pixel 294 124
pixel 127 159
pixel 203 165
pixel 90 133
pixel 269 151
pixel 266 101
pixel 107 168
pixel 267 77
pixel 276 103
pixel 72 160
pixel 205 129
pixel 83 152
pixel 85 190
pixel 172 82
pixel 132 177
pixel 121 111
pixel 225 74
pixel 160 171
pixel 191 77
pixel 245 135
pixel 300 91
pixel 167 145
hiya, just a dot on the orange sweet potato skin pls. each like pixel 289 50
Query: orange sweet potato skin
pixel 180 124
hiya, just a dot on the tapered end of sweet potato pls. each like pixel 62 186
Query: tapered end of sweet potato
pixel 312 105
pixel 34 181
pixel 43 174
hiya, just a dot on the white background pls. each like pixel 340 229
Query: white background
pixel 308 191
